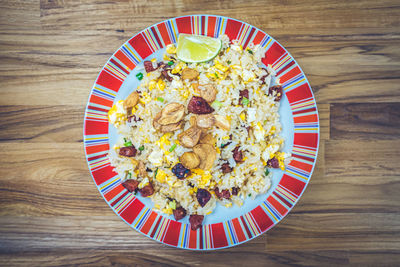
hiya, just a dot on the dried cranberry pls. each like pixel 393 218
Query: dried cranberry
pixel 222 194
pixel 166 76
pixel 179 213
pixel 180 171
pixel 243 93
pixel 237 155
pixel 147 190
pixel 195 221
pixel 130 185
pixel 273 163
pixel 277 91
pixel 128 151
pixel 199 105
pixel 203 196
pixel 235 191
pixel 226 168
pixel 148 66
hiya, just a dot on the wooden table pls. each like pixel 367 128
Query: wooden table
pixel 52 214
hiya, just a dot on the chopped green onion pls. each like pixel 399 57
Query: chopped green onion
pixel 216 104
pixel 266 171
pixel 129 175
pixel 172 148
pixel 249 195
pixel 160 99
pixel 216 75
pixel 229 62
pixel 155 173
pixel 128 143
pixel 172 205
pixel 251 52
pixel 139 76
pixel 170 63
pixel 141 148
pixel 245 101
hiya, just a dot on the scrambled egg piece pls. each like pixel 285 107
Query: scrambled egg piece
pixel 152 85
pixel 281 157
pixel 161 84
pixel 171 49
pixel 204 180
pixel 164 139
pixel 160 177
pixel 259 132
pixel 178 68
pixel 167 210
pixel 117 113
pixel 156 158
pixel 221 67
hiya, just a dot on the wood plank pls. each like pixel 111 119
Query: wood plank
pixel 20 14
pixel 362 121
pixel 337 231
pixel 41 123
pixel 50 179
pixel 153 257
pixel 89 231
pixel 351 177
pixel 276 15
pixel 324 121
pixel 371 161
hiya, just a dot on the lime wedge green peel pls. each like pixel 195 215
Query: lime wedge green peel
pixel 197 48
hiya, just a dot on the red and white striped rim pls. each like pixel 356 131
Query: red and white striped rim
pixel 230 232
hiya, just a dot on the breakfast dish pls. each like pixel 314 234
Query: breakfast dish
pixel 195 134
pixel 201 132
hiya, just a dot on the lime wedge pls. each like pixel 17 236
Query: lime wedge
pixel 197 48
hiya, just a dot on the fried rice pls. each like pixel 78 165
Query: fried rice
pixel 246 105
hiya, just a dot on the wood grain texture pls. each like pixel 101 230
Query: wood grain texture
pixel 363 121
pixel 51 214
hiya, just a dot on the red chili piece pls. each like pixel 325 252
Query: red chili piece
pixel 130 185
pixel 166 76
pixel 148 66
pixel 222 194
pixel 147 190
pixel 196 221
pixel 237 155
pixel 199 105
pixel 226 168
pixel 179 213
pixel 128 151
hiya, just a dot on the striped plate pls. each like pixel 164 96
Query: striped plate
pixel 224 227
